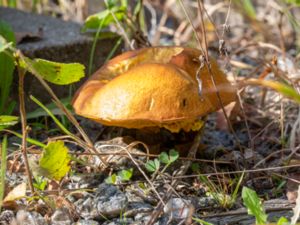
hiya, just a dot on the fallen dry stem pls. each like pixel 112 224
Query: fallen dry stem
pixel 21 73
pixel 241 171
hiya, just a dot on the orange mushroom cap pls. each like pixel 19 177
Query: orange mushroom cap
pixel 153 87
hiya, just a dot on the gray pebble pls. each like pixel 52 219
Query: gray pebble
pixel 28 218
pixel 110 201
pixel 135 208
pixel 179 208
pixel 125 221
pixel 61 217
pixel 86 222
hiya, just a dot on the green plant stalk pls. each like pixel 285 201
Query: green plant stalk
pixel 237 187
pixel 119 41
pixel 29 140
pixel 58 123
pixel 201 221
pixel 21 73
pixel 3 169
pixel 92 54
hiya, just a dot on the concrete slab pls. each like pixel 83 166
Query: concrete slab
pixel 60 41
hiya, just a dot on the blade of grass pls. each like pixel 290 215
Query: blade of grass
pixel 119 41
pixel 29 140
pixel 3 169
pixel 92 54
pixel 58 123
pixel 284 89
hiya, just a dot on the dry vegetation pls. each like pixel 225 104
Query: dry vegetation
pixel 257 143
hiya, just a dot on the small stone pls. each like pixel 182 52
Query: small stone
pixel 87 208
pixel 123 221
pixel 206 202
pixel 28 218
pixel 61 217
pixel 179 208
pixel 137 207
pixel 6 217
pixel 117 145
pixel 86 222
pixel 110 200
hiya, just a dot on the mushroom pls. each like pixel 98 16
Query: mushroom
pixel 154 87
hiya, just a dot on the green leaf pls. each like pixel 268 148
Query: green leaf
pixel 294 2
pixel 55 72
pixel 168 159
pixel 105 18
pixel 152 165
pixel 40 183
pixel 7 65
pixel 111 3
pixel 4 44
pixel 281 88
pixel 7 121
pixel 283 221
pixel 125 175
pixel 254 205
pixel 3 169
pixel 111 179
pixel 55 160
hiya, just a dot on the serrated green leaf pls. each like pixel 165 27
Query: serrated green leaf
pixel 173 155
pixel 152 165
pixel 7 121
pixel 105 18
pixel 55 72
pixel 55 160
pixel 254 205
pixel 168 158
pixel 164 157
pixel 125 175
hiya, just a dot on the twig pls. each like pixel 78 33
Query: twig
pixel 190 21
pixel 241 171
pixel 21 73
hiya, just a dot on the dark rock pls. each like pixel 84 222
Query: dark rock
pixel 6 217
